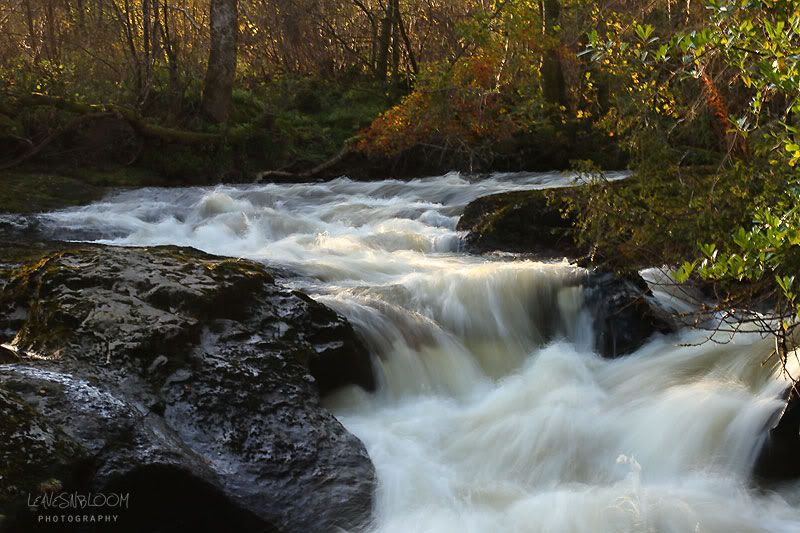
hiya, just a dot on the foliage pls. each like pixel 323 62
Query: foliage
pixel 460 110
pixel 495 92
pixel 724 89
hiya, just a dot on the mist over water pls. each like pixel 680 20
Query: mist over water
pixel 493 412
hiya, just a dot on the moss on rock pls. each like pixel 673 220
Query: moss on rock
pixel 521 222
pixel 33 192
pixel 170 358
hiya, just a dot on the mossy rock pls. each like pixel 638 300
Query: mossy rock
pixel 35 192
pixel 538 222
pixel 173 366
pixel 98 303
pixel 530 222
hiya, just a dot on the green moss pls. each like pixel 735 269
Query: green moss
pixel 239 269
pixel 33 192
pixel 314 118
pixel 17 253
pixel 121 176
pixel 186 164
pixel 533 221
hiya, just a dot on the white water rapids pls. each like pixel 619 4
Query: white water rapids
pixel 493 413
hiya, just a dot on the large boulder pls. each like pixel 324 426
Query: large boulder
pixel 75 436
pixel 185 379
pixel 530 222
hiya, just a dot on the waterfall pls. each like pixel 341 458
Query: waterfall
pixel 493 411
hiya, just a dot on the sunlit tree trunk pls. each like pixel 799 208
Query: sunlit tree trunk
pixel 221 60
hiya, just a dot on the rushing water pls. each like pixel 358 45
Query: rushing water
pixel 493 413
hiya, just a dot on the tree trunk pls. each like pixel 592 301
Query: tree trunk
pixel 146 53
pixel 126 18
pixel 221 60
pixel 388 31
pixel 34 41
pixel 395 41
pixel 81 16
pixel 384 42
pixel 553 84
pixel 50 25
pixel 373 51
pixel 172 61
pixel 402 27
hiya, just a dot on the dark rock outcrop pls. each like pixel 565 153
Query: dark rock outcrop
pixel 528 222
pixel 624 313
pixel 778 459
pixel 82 438
pixel 192 382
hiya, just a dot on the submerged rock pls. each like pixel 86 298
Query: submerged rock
pixel 528 222
pixel 187 380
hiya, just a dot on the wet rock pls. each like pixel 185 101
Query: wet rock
pixel 95 303
pixel 624 313
pixel 21 240
pixel 33 451
pixel 89 440
pixel 174 368
pixel 778 459
pixel 528 222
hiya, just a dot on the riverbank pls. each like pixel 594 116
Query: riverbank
pixel 36 189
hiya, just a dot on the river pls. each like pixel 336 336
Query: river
pixel 493 413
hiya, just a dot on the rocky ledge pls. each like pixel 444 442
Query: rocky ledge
pixel 188 381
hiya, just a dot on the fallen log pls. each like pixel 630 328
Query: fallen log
pixel 35 150
pixel 144 128
pixel 87 112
